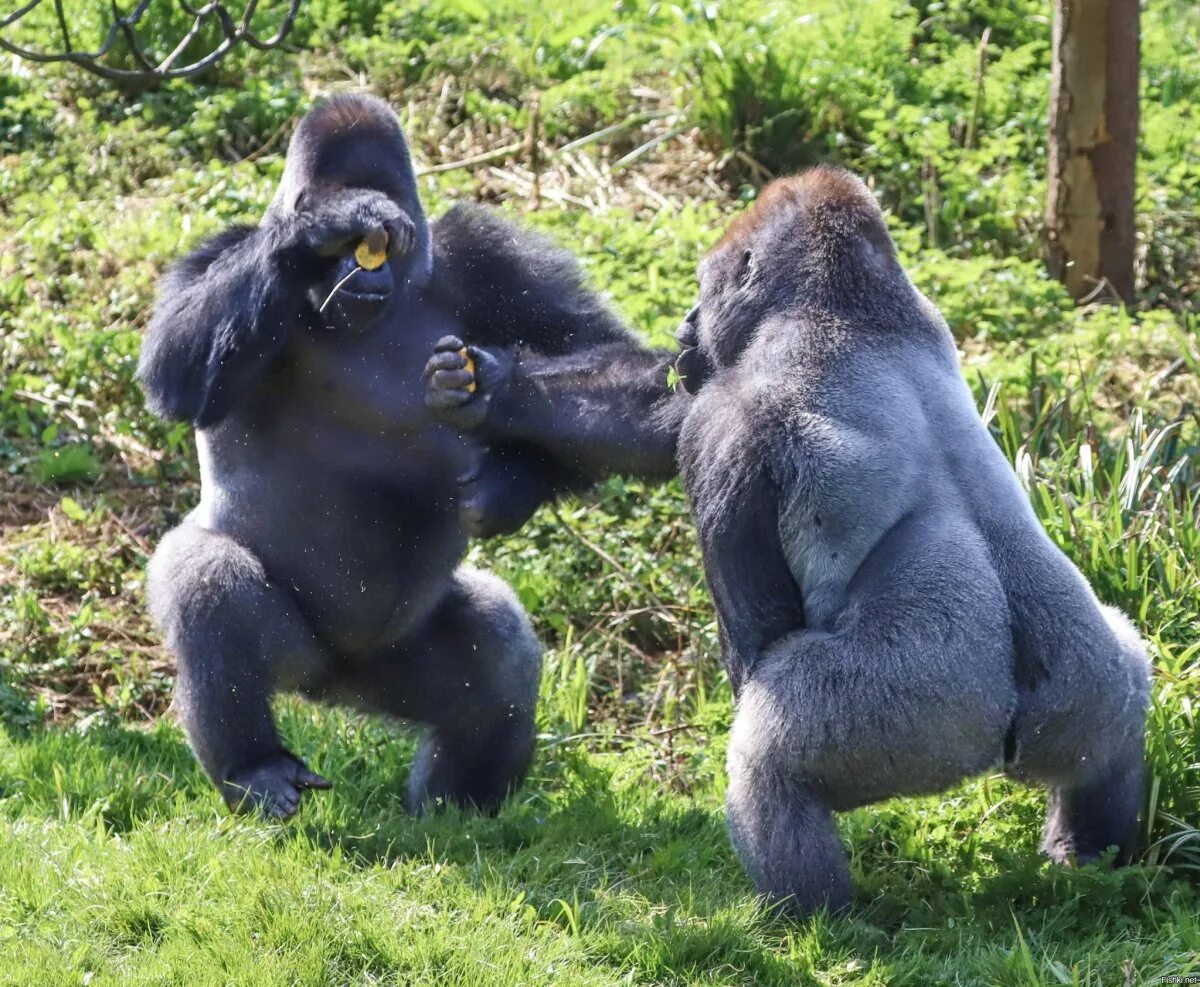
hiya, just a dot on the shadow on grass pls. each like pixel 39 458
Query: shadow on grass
pixel 124 774
pixel 647 876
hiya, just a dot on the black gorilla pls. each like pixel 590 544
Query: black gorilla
pixel 324 554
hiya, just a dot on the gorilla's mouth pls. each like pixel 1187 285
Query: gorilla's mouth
pixel 693 368
pixel 369 284
pixel 359 298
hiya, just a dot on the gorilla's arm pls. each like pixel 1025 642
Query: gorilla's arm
pixel 562 372
pixel 735 506
pixel 606 410
pixel 225 310
pixel 221 318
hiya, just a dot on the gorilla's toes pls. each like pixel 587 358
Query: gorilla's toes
pixel 272 787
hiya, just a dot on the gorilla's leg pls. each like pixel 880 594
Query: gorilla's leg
pixel 236 637
pixel 1088 817
pixel 471 672
pixel 908 691
pixel 781 829
pixel 1080 724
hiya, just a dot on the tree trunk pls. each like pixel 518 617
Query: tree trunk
pixel 1093 145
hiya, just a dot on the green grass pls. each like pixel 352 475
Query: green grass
pixel 611 867
pixel 658 122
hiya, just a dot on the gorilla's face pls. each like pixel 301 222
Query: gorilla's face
pixel 717 329
pixel 349 179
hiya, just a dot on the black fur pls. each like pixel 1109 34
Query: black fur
pixel 325 553
pixel 559 379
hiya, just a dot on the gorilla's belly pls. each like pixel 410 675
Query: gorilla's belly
pixel 365 560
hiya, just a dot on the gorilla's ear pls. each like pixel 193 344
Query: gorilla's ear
pixel 745 270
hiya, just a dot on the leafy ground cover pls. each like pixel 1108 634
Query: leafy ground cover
pixel 630 132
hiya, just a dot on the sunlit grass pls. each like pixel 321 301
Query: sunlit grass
pixel 118 864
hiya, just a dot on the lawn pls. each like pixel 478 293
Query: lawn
pixel 630 132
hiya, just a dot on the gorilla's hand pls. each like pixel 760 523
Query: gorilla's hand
pixel 692 366
pixel 335 225
pixel 461 381
pixel 271 787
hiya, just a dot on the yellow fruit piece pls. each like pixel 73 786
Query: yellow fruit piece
pixel 470 369
pixel 371 253
pixel 367 259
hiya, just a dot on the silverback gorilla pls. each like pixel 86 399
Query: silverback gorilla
pixel 324 554
pixel 893 617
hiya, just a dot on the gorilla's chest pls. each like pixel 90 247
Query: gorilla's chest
pixel 370 383
pixel 339 479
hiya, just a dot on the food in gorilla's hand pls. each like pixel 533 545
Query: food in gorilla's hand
pixel 371 253
pixel 470 368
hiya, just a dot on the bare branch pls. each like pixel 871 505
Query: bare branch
pixel 234 31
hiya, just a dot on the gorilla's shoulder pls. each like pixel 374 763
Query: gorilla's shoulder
pixel 478 235
pixel 511 285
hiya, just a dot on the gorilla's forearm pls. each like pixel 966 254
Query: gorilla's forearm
pixel 735 505
pixel 608 410
pixel 583 390
pixel 221 318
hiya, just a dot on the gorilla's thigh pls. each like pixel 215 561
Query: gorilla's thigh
pixel 471 672
pixel 237 636
pixel 474 653
pixel 911 692
pixel 1082 734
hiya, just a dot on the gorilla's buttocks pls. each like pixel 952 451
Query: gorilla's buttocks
pixel 893 617
pixel 324 553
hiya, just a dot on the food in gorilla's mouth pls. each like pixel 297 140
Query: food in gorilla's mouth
pixel 369 256
pixel 372 251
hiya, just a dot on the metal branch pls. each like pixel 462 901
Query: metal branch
pixel 234 31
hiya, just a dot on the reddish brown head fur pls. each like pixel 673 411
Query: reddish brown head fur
pixel 826 197
pixel 343 113
pixel 349 141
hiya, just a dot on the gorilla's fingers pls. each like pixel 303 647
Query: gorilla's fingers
pixel 452 380
pixel 310 779
pixel 289 798
pixel 402 236
pixel 448 343
pixel 444 360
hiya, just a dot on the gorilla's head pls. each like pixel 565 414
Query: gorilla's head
pixel 813 242
pixel 345 148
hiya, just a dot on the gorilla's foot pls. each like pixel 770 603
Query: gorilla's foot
pixel 272 786
pixel 1086 820
pixel 476 770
